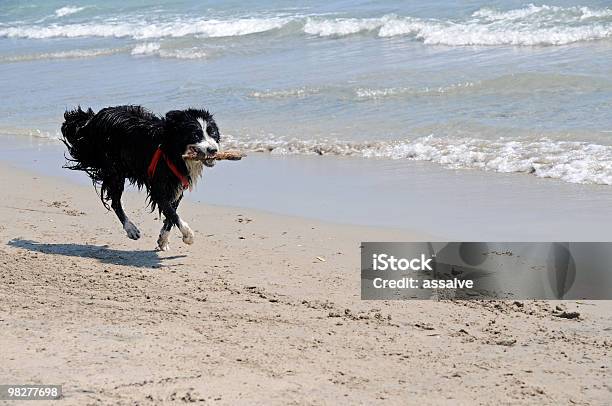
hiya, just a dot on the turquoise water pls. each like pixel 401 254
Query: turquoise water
pixel 504 86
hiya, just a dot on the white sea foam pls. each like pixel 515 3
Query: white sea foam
pixel 187 53
pixel 70 54
pixel 341 26
pixel 444 33
pixel 513 84
pixel 143 30
pixel 68 10
pixel 147 48
pixel 232 28
pixel 359 93
pixel 155 49
pixel 570 161
pixel 554 13
pixel 143 49
pixel 31 132
pixel 283 94
pixel 383 93
pixel 531 25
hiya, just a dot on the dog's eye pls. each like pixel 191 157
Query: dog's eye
pixel 213 133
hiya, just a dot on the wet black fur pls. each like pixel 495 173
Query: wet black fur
pixel 117 143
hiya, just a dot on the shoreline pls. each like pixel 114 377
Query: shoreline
pixel 249 313
pixel 50 168
pixel 400 195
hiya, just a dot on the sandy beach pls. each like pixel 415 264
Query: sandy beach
pixel 262 309
pixel 481 130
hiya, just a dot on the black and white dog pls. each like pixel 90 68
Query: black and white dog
pixel 129 142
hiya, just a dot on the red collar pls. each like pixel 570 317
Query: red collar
pixel 159 153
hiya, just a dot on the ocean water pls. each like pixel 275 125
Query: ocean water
pixel 503 86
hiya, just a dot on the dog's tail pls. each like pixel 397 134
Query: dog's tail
pixel 73 121
pixel 80 147
pixel 76 142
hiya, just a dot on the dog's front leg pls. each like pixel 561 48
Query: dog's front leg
pixel 164 234
pixel 188 236
pixel 173 219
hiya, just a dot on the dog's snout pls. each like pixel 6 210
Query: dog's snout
pixel 211 150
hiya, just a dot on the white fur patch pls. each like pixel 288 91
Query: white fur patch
pixel 195 170
pixel 208 141
pixel 195 167
pixel 187 232
pixel 131 230
pixel 162 241
pixel 203 124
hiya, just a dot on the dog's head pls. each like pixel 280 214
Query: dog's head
pixel 193 133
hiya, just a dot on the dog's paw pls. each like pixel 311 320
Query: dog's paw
pixel 162 241
pixel 188 237
pixel 131 230
pixel 163 246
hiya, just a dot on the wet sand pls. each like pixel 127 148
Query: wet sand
pixel 464 205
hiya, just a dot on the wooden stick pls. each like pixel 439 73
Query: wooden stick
pixel 229 155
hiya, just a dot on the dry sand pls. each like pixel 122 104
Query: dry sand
pixel 248 314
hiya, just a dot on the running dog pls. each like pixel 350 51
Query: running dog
pixel 130 142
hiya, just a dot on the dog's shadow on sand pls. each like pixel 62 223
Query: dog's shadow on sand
pixel 140 259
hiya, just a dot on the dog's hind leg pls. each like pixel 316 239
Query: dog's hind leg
pixel 164 233
pixel 114 190
pixel 173 219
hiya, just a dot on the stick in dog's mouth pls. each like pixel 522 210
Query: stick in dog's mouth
pixel 209 160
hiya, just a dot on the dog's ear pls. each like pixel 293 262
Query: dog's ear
pixel 176 116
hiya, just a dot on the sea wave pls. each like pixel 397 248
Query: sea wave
pixel 138 29
pixel 188 53
pixel 70 54
pixel 155 49
pixel 443 33
pixel 527 26
pixel 148 48
pixel 533 11
pixel 394 92
pixel 569 161
pixel 358 93
pixel 143 49
pixel 68 10
pixel 341 26
pixel 300 92
pixel 31 132
pixel 532 25
pixel 520 83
